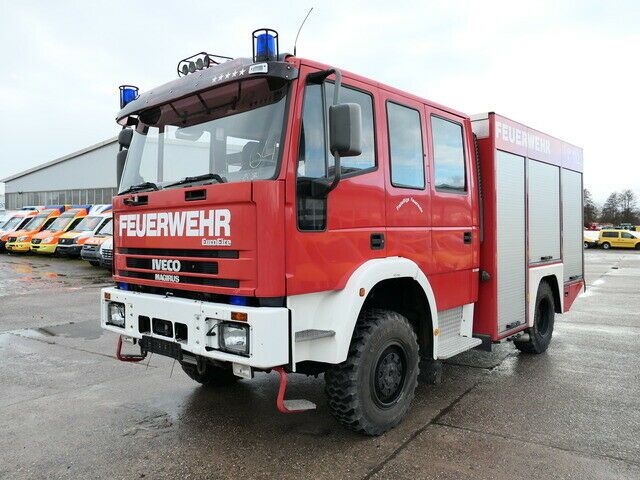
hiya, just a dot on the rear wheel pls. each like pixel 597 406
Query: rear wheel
pixel 606 245
pixel 371 391
pixel 209 374
pixel 542 331
pixel 586 244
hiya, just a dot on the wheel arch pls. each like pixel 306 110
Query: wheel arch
pixel 338 311
pixel 552 281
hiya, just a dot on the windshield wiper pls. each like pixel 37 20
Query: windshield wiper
pixel 198 178
pixel 141 186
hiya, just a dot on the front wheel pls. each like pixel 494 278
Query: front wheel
pixel 606 245
pixel 371 391
pixel 637 246
pixel 542 331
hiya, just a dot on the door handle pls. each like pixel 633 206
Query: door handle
pixel 467 237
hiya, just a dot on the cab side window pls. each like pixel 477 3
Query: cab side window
pixel 405 146
pixel 448 155
pixel 627 235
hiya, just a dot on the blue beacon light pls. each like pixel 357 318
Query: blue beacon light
pixel 265 44
pixel 128 93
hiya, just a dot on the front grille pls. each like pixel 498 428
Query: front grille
pixel 189 266
pixel 211 282
pixel 107 254
pixel 89 248
pixel 36 241
pixel 65 241
pixel 174 252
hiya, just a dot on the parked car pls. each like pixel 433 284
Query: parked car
pixel 70 243
pixel 618 238
pixel 16 222
pixel 20 240
pixel 106 253
pixel 46 241
pixel 91 248
pixel 590 238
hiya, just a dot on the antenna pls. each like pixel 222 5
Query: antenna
pixel 295 43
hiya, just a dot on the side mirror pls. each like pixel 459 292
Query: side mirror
pixel 345 129
pixel 124 137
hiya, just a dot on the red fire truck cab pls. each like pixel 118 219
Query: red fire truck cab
pixel 279 214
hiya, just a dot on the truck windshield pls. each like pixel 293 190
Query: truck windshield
pixel 87 224
pixel 233 131
pixel 36 222
pixel 12 223
pixel 106 229
pixel 60 223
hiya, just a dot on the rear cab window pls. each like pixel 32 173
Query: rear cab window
pixel 448 155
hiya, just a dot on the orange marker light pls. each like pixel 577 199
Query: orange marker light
pixel 239 316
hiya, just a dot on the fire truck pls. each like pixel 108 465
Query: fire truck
pixel 276 214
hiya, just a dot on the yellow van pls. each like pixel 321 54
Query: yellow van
pixel 618 238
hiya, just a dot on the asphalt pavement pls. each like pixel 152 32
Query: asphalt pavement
pixel 69 409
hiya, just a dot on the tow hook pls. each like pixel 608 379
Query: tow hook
pixel 126 357
pixel 290 406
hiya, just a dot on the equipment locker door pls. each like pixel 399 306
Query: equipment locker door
pixel 510 239
pixel 543 188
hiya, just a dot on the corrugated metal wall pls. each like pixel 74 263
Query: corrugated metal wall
pixel 87 178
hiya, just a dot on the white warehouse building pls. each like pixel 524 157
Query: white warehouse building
pixel 87 176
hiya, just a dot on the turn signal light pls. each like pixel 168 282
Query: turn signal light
pixel 239 316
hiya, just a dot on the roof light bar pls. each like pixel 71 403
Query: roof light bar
pixel 199 61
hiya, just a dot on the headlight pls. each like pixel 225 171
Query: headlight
pixel 234 338
pixel 115 314
pixel 23 239
pixel 48 240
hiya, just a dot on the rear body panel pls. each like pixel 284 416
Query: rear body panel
pixel 532 217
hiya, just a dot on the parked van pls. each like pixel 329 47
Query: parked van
pixel 46 241
pixel 106 253
pixel 70 243
pixel 20 240
pixel 91 248
pixel 16 222
pixel 618 238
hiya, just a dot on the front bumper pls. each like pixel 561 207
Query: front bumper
pixel 48 248
pixel 268 326
pixel 18 246
pixel 69 250
pixel 91 254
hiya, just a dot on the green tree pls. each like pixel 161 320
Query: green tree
pixel 611 209
pixel 590 212
pixel 628 207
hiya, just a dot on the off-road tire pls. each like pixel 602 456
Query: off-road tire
pixel 542 331
pixel 384 347
pixel 210 375
pixel 606 245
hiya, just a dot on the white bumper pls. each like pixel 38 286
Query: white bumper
pixel 268 327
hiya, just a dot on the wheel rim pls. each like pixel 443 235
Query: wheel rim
pixel 544 316
pixel 389 375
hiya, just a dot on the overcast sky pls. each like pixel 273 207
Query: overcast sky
pixel 568 68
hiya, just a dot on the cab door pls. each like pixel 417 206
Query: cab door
pixel 454 218
pixel 329 236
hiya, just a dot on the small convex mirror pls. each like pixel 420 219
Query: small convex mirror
pixel 345 129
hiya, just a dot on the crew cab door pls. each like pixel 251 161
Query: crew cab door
pixel 454 217
pixel 329 237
